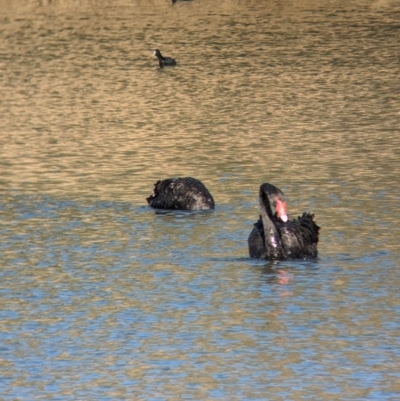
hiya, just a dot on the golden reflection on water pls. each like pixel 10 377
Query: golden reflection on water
pixel 296 93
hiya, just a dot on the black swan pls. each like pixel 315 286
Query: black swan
pixel 181 194
pixel 163 61
pixel 274 236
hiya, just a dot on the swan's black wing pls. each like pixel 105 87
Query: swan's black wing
pixel 181 194
pixel 163 196
pixel 300 237
pixel 256 241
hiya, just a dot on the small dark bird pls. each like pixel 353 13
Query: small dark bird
pixel 274 236
pixel 163 61
pixel 181 194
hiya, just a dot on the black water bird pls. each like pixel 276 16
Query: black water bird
pixel 181 194
pixel 163 61
pixel 274 236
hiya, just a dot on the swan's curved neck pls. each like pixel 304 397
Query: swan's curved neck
pixel 271 236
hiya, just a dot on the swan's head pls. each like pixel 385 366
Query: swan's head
pixel 271 195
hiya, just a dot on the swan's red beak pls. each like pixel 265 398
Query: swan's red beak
pixel 281 210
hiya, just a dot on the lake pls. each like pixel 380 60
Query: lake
pixel 102 297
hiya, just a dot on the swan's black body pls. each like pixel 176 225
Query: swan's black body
pixel 163 61
pixel 181 194
pixel 275 238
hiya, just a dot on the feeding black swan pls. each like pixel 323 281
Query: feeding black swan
pixel 274 236
pixel 181 194
pixel 163 61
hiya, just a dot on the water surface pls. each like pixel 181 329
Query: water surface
pixel 102 298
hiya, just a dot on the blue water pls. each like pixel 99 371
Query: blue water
pixel 110 300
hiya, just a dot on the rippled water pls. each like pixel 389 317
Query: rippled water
pixel 104 299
